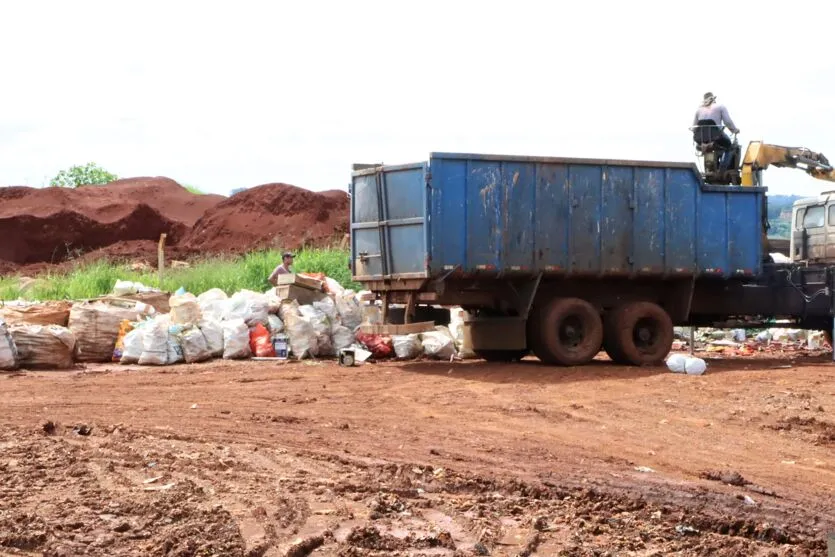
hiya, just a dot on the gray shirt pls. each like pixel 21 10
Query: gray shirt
pixel 716 112
pixel 280 270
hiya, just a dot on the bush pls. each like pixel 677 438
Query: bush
pixel 89 174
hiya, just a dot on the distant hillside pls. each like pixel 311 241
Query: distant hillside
pixel 779 215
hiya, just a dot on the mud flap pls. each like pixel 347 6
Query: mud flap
pixel 496 333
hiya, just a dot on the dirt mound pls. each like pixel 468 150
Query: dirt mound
pixel 271 216
pixel 51 225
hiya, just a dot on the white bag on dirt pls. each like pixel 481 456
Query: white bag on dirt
pixel 213 331
pixel 185 309
pixel 194 346
pixel 457 316
pixel 8 351
pixel 46 347
pixel 302 337
pixel 438 344
pixel 96 328
pixel 342 338
pixel 675 363
pixel 133 346
pixel 155 344
pixel 350 312
pixel 694 366
pixel 236 340
pixel 276 325
pixel 407 347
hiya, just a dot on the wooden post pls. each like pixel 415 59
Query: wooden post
pixel 161 257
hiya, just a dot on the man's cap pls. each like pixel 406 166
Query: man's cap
pixel 287 254
pixel 709 96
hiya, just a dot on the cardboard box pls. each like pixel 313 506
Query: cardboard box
pixel 302 295
pixel 299 280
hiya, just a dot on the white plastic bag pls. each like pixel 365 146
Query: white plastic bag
pixel 457 317
pixel 317 318
pixel 193 343
pixel 213 331
pixel 133 346
pixel 694 366
pixel 302 337
pixel 185 309
pixel 437 344
pixel 213 295
pixel 236 340
pixel 250 306
pixel 350 312
pixel 675 363
pixel 328 307
pixel 155 344
pixel 8 351
pixel 276 325
pixel 407 347
pixel 124 287
pixel 342 338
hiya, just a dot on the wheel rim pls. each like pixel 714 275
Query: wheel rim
pixel 646 334
pixel 571 332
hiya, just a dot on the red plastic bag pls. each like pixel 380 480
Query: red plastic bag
pixel 260 342
pixel 380 346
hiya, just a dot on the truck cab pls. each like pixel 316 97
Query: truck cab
pixel 813 229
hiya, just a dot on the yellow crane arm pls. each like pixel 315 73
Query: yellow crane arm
pixel 760 156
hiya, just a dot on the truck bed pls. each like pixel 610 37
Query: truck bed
pixel 490 215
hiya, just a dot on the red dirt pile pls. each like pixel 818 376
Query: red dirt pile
pixel 51 225
pixel 277 216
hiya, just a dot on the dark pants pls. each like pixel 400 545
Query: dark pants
pixel 711 132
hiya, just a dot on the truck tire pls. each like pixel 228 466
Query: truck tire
pixel 568 332
pixel 638 334
pixel 503 356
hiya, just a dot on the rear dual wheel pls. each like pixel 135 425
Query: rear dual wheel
pixel 638 334
pixel 566 331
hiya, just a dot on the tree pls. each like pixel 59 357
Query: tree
pixel 75 176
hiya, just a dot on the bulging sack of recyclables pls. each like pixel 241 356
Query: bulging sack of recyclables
pixel 438 344
pixel 45 347
pixel 235 340
pixel 213 331
pixel 194 346
pixel 96 328
pixel 302 337
pixel 407 347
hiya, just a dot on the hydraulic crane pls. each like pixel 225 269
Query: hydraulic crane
pixel 747 170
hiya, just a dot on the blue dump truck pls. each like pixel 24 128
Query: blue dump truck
pixel 567 257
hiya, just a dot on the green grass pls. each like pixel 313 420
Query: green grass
pixel 229 274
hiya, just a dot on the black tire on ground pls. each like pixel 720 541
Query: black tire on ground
pixel 501 355
pixel 567 332
pixel 638 334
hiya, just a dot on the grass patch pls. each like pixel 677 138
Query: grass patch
pixel 229 274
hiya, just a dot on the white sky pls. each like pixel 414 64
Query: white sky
pixel 224 97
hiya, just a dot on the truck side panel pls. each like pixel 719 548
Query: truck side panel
pixel 508 215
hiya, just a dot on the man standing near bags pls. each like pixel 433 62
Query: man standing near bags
pixel 283 269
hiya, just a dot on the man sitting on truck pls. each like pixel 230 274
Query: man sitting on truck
pixel 283 269
pixel 708 122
